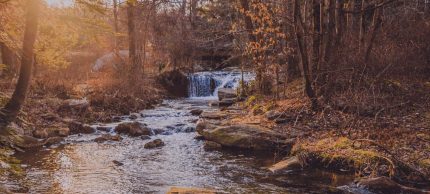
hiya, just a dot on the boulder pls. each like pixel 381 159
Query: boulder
pixel 210 145
pixel 180 190
pixel 108 137
pixel 288 164
pixel 387 185
pixel 213 115
pixel 213 103
pixel 53 140
pixel 226 102
pixel 51 132
pixel 199 138
pixel 226 93
pixel 245 136
pixel 77 127
pixel 145 137
pixel 104 128
pixel 203 124
pixel 175 82
pixel 196 112
pixel 134 116
pixel 154 144
pixel 133 129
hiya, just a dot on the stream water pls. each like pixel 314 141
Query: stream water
pixel 80 165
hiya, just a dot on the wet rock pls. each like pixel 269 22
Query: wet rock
pixel 77 127
pixel 214 115
pixel 203 124
pixel 214 103
pixel 196 112
pixel 292 163
pixel 116 119
pixel 179 190
pixel 117 163
pixel 133 129
pixel 145 137
pixel 158 131
pixel 226 102
pixel 21 141
pixel 387 185
pixel 247 137
pixel 226 93
pixel 53 140
pixel 199 138
pixel 108 137
pixel 188 129
pixel 51 132
pixel 133 116
pixel 175 82
pixel 154 144
pixel 193 120
pixel 104 128
pixel 210 145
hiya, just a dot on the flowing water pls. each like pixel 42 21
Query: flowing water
pixel 80 165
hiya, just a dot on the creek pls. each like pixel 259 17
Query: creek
pixel 80 165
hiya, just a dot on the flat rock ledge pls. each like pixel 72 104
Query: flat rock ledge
pixel 243 136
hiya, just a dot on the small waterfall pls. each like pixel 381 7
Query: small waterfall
pixel 206 84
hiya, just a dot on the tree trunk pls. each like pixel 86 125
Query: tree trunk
pixel 248 21
pixel 330 30
pixel 135 65
pixel 378 22
pixel 115 27
pixel 351 6
pixel 339 21
pixel 303 55
pixel 362 26
pixel 12 108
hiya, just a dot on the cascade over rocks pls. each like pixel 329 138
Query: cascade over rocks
pixel 175 82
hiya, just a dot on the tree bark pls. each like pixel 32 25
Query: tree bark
pixel 115 26
pixel 330 30
pixel 362 26
pixel 135 63
pixel 248 21
pixel 378 22
pixel 303 55
pixel 9 113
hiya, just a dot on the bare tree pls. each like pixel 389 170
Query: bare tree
pixel 9 113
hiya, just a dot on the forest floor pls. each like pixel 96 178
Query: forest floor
pixel 371 138
pixel 54 104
